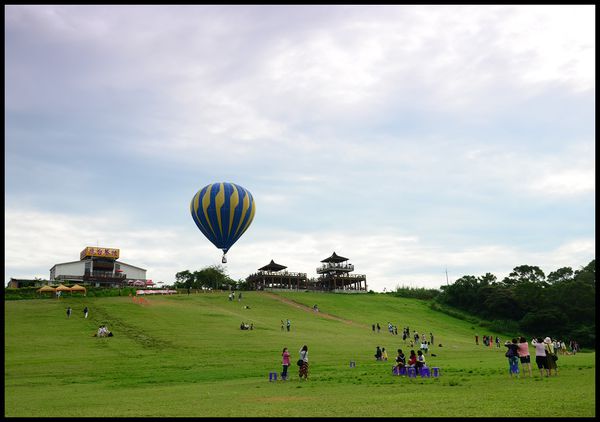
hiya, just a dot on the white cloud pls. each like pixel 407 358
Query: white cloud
pixel 37 240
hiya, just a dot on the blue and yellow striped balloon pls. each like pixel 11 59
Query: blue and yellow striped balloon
pixel 223 212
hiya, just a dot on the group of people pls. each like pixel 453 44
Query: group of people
pixel 85 312
pixel 418 338
pixel 302 363
pixel 103 332
pixel 381 354
pixel 244 326
pixel 231 296
pixel 488 341
pixel 545 356
pixel 286 325
pixel 415 360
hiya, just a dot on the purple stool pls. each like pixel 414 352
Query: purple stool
pixel 436 372
pixel 272 376
pixel 425 372
pixel 412 372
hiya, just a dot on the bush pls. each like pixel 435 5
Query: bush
pixel 502 326
pixel 416 293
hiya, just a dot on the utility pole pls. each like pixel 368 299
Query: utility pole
pixel 446 276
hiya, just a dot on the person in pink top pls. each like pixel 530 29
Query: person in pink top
pixel 286 362
pixel 523 352
pixel 540 356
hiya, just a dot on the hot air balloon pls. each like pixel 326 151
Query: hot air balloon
pixel 223 212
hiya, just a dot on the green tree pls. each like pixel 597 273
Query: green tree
pixel 501 303
pixel 184 279
pixel 213 277
pixel 561 275
pixel 525 273
pixel 488 278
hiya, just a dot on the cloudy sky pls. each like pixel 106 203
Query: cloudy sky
pixel 410 139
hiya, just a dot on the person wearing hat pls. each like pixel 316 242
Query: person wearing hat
pixel 550 356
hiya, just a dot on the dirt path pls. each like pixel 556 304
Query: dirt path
pixel 310 310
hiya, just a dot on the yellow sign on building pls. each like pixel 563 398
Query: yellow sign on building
pixel 99 252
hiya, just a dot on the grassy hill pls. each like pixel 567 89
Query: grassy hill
pixel 185 355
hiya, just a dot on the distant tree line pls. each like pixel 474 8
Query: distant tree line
pixel 560 305
pixel 211 277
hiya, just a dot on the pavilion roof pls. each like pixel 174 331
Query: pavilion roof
pixel 335 258
pixel 272 266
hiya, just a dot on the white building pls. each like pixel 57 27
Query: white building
pixel 97 267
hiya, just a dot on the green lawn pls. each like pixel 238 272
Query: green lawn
pixel 185 355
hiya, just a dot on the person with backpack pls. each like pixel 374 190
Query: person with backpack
pixel 513 357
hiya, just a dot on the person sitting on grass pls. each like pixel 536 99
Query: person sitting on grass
pixel 420 363
pixel 103 332
pixel 378 353
pixel 400 360
pixel 412 359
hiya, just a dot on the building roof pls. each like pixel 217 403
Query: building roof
pixel 335 258
pixel 272 266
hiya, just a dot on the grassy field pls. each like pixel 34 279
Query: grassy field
pixel 185 355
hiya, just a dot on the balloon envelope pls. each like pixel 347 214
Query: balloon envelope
pixel 223 212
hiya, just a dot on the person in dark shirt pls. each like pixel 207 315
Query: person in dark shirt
pixel 513 357
pixel 378 353
pixel 400 359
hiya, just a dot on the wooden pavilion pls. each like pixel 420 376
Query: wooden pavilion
pixel 272 276
pixel 335 276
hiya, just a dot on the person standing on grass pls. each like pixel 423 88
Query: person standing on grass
pixel 85 312
pixel 477 340
pixel 512 354
pixel 524 357
pixel 68 312
pixel 282 325
pixel 540 356
pixel 288 324
pixel 378 327
pixel 285 362
pixel 303 370
pixel 551 357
